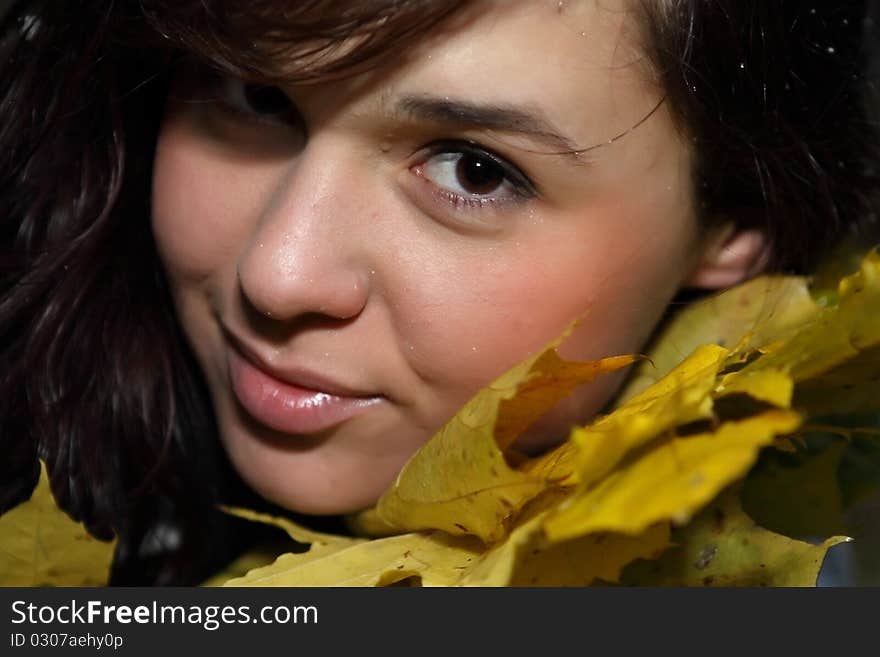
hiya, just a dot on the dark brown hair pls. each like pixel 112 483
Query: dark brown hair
pixel 774 97
pixel 95 376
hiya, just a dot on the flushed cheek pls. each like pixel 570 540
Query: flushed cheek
pixel 471 327
pixel 467 329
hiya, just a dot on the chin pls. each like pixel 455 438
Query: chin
pixel 304 482
pixel 300 497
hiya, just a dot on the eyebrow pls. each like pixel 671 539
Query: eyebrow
pixel 503 118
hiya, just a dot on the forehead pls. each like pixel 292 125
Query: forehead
pixel 577 66
pixel 583 33
pixel 580 64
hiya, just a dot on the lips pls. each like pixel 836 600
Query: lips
pixel 298 404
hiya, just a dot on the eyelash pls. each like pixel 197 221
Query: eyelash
pixel 522 188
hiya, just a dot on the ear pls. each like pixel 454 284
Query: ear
pixel 730 255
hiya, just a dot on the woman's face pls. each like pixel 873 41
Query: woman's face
pixel 351 271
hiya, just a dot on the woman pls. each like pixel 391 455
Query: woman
pixel 314 230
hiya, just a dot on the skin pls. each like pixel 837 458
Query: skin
pixel 328 241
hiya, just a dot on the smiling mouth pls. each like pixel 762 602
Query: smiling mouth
pixel 284 405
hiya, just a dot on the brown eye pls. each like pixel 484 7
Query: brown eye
pixel 463 171
pixel 478 175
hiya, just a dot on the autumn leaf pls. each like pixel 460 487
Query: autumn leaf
pixel 299 533
pixel 740 319
pixel 773 326
pixel 724 547
pixel 671 481
pixel 40 545
pixel 767 385
pixel 333 560
pixel 834 359
pixel 438 559
pixel 254 558
pixel 681 397
pixel 433 558
pixel 530 558
pixel 460 481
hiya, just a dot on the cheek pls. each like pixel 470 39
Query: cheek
pixel 489 309
pixel 469 323
pixel 466 316
pixel 204 206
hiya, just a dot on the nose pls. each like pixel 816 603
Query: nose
pixel 305 254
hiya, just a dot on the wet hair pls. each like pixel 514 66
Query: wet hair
pixel 96 377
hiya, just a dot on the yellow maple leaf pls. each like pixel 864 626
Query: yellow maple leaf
pixel 296 531
pixel 436 558
pixel 671 481
pixel 756 313
pixel 832 356
pixel 40 545
pixel 768 385
pixel 681 397
pixel 460 480
pixel 835 361
pixel 333 560
pixel 254 558
pixel 724 547
pixel 530 558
